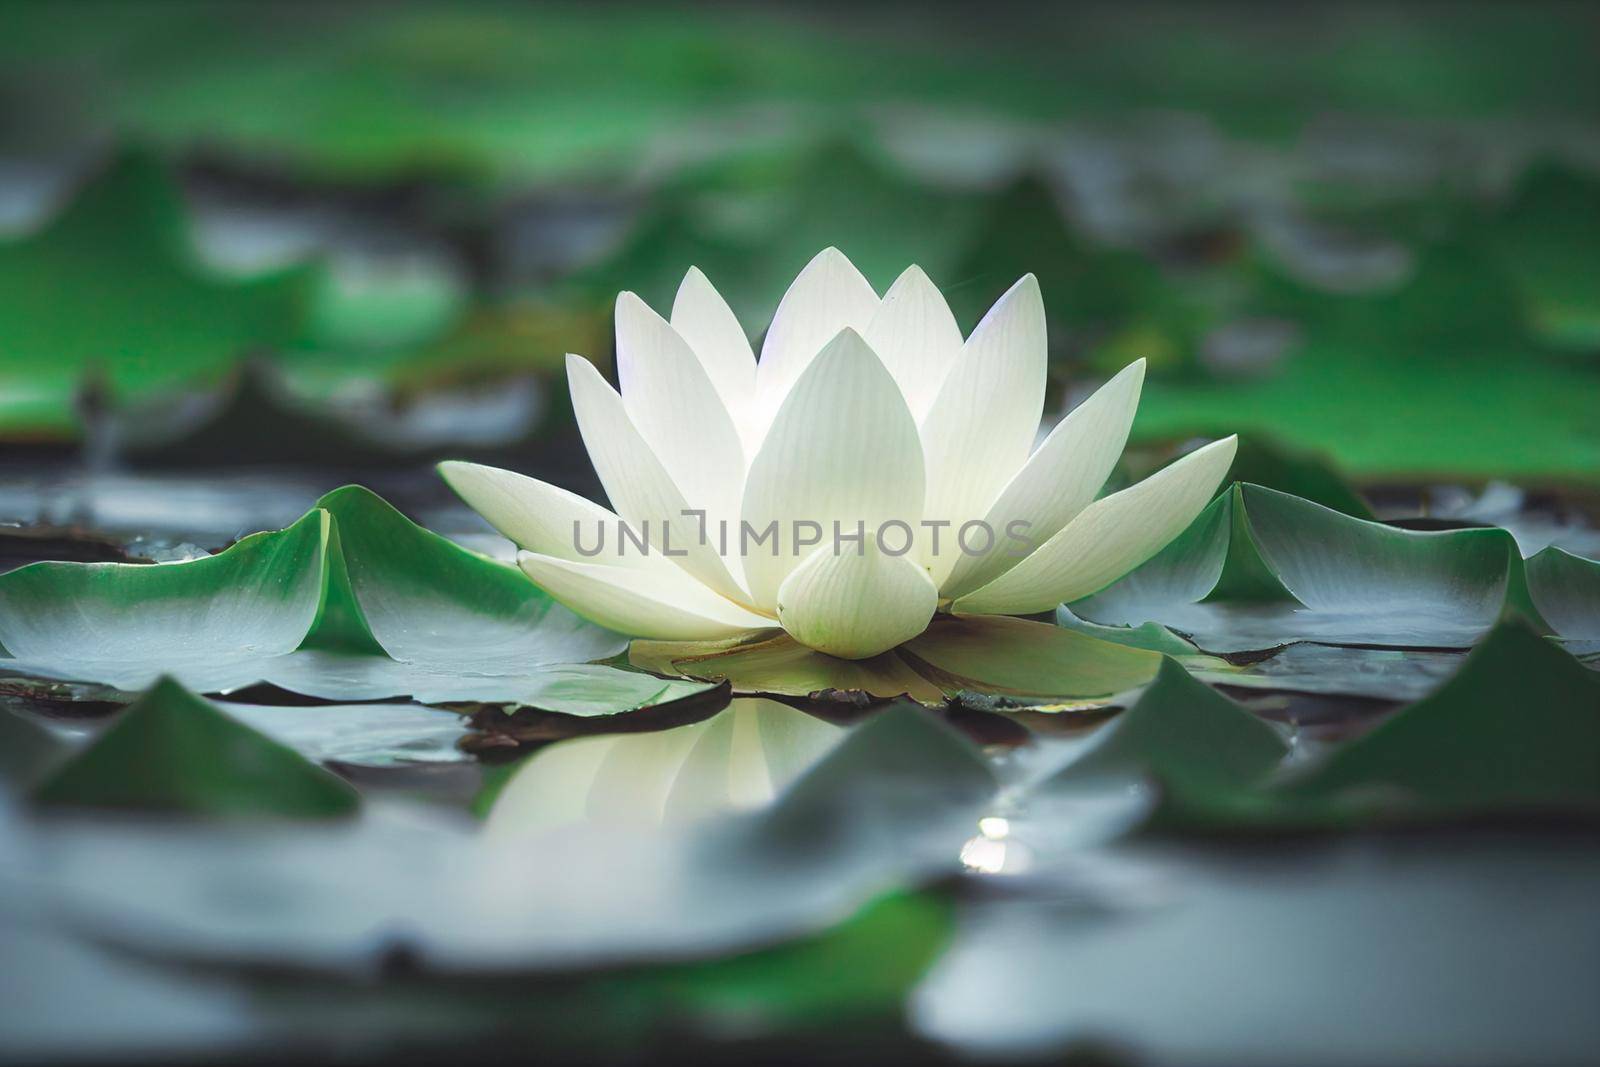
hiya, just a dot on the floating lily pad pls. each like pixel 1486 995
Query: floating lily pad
pixel 1548 239
pixel 1259 569
pixel 211 623
pixel 172 751
pixel 1449 334
pixel 978 654
pixel 426 600
pixel 353 602
pixel 886 807
pixel 1018 657
pixel 750 229
pixel 1115 301
pixel 782 666
pixel 1517 729
pixel 26 750
pixel 1383 951
pixel 1261 460
pixel 1179 730
pixel 862 968
pixel 1566 590
pixel 110 291
pixel 1391 674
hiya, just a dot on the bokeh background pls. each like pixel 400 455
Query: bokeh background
pixel 318 237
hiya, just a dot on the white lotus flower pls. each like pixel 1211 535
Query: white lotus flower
pixel 870 413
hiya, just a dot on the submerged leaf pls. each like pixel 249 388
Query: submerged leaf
pixel 172 751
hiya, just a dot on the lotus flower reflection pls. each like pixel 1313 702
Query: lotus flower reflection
pixel 870 470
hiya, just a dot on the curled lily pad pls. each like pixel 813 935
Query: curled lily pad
pixel 1515 731
pixel 1178 729
pixel 424 599
pixel 1566 590
pixel 995 655
pixel 172 751
pixel 211 623
pixel 353 602
pixel 1260 569
pixel 1518 728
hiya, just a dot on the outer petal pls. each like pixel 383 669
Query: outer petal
pixel 1060 479
pixel 638 485
pixel 662 603
pixel 1111 537
pixel 916 336
pixel 538 516
pixel 983 422
pixel 843 449
pixel 704 320
pixel 826 297
pixel 856 605
pixel 671 400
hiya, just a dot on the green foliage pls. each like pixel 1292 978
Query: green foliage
pixel 108 296
pixel 1182 733
pixel 1259 568
pixel 353 602
pixel 173 752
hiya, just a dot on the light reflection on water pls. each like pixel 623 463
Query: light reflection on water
pixel 993 851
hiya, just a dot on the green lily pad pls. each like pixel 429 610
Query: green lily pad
pixel 109 291
pixel 1017 657
pixel 782 666
pixel 1518 728
pixel 1548 240
pixel 26 750
pixel 995 655
pixel 353 602
pixel 1309 475
pixel 172 751
pixel 1151 636
pixel 861 969
pixel 424 599
pixel 1113 300
pixel 1516 731
pixel 1449 335
pixel 1391 674
pixel 887 807
pixel 1179 731
pixel 211 623
pixel 903 774
pixel 1259 569
pixel 751 229
pixel 1566 590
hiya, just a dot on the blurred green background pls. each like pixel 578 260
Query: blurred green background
pixel 1366 236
